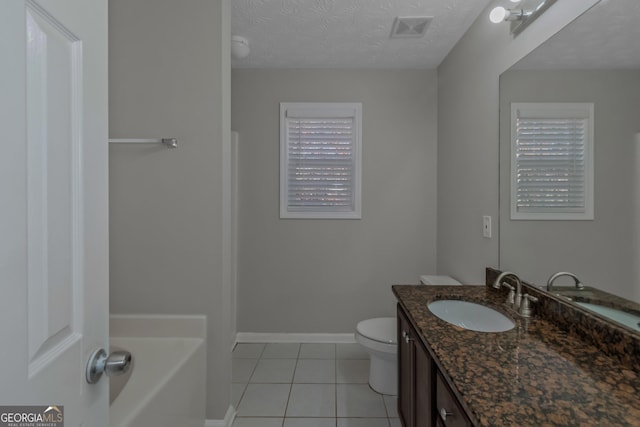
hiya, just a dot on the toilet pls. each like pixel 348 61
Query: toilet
pixel 378 337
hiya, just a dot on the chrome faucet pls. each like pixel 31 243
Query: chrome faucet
pixel 577 281
pixel 513 299
pixel 520 303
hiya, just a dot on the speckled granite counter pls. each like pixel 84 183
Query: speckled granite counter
pixel 534 375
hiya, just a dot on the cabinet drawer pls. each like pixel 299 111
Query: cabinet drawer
pixel 449 411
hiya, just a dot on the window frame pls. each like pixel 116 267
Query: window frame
pixel 555 110
pixel 313 110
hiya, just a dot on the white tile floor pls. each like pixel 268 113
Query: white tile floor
pixel 307 385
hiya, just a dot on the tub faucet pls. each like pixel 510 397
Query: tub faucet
pixel 577 281
pixel 511 298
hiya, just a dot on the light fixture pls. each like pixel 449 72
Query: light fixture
pixel 239 47
pixel 500 14
pixel 522 16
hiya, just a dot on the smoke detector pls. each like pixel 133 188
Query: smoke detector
pixel 239 47
pixel 410 26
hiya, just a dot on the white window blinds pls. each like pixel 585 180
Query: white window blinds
pixel 320 160
pixel 551 161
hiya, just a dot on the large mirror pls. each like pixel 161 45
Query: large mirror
pixel 595 59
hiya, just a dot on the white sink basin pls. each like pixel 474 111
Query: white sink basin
pixel 627 319
pixel 472 316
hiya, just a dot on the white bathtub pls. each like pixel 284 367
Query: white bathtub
pixel 167 382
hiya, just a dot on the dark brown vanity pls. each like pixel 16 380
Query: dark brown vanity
pixel 540 373
pixel 424 397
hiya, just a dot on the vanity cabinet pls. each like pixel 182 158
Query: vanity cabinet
pixel 406 372
pixel 415 371
pixel 424 398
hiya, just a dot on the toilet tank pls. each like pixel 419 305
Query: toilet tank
pixel 439 281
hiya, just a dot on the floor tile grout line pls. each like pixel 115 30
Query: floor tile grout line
pixel 295 368
pixel 335 379
pixel 253 371
pixel 335 387
pixel 386 410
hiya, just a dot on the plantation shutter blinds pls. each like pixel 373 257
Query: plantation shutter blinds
pixel 551 161
pixel 320 158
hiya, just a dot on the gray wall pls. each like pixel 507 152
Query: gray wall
pixel 468 135
pixel 600 252
pixel 169 76
pixel 325 275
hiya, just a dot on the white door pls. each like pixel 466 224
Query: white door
pixel 54 204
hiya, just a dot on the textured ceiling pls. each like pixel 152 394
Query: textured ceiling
pixel 605 37
pixel 347 33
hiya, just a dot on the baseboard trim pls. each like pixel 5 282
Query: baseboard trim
pixel 260 337
pixel 227 422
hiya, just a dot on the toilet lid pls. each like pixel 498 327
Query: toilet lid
pixel 381 329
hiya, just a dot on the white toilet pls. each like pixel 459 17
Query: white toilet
pixel 378 337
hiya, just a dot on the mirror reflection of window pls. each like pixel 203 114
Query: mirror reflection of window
pixel 552 161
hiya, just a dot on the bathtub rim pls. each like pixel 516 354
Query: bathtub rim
pixel 126 412
pixel 191 330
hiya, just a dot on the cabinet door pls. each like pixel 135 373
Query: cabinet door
pixel 424 387
pixel 406 372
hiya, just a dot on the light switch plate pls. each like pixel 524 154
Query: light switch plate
pixel 486 226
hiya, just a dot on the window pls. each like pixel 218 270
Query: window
pixel 320 160
pixel 551 161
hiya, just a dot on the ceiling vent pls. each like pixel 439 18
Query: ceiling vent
pixel 410 26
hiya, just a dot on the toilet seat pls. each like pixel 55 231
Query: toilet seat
pixel 380 329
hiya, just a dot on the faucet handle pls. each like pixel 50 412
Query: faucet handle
pixel 525 306
pixel 511 297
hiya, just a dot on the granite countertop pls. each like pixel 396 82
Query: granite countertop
pixel 533 375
